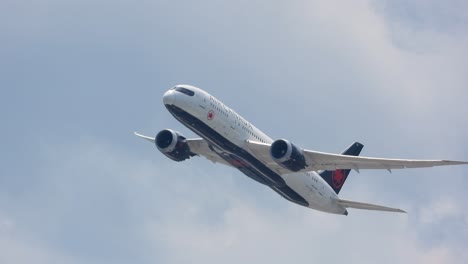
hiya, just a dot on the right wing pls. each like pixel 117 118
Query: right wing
pixel 367 206
pixel 198 146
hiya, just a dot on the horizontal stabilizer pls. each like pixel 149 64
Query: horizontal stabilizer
pixel 150 139
pixel 367 206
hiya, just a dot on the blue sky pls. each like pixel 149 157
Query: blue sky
pixel 78 77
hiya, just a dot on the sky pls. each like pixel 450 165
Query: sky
pixel 78 77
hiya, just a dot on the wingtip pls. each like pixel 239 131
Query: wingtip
pixel 143 136
pixel 455 162
pixel 139 135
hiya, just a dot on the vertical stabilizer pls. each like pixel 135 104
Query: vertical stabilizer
pixel 337 178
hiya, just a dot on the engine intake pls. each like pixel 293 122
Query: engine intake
pixel 172 144
pixel 287 155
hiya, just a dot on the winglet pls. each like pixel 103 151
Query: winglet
pixel 150 139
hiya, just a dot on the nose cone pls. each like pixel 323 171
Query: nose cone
pixel 169 97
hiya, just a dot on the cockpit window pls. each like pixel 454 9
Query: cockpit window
pixel 185 91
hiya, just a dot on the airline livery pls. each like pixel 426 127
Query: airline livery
pixel 309 178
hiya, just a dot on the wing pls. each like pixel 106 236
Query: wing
pixel 327 161
pixel 198 146
pixel 317 161
pixel 367 206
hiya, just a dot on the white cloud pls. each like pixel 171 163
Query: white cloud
pixel 176 212
pixel 440 209
pixel 248 232
pixel 416 78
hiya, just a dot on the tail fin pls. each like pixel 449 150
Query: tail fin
pixel 337 178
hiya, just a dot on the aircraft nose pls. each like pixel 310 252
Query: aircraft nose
pixel 169 97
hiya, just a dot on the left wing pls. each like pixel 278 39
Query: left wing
pixel 198 146
pixel 317 161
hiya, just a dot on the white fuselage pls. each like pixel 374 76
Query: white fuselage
pixel 234 129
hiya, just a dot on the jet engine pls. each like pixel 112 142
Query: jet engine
pixel 173 145
pixel 287 155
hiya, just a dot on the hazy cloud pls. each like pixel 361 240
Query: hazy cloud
pixel 79 77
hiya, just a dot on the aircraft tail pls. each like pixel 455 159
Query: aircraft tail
pixel 337 178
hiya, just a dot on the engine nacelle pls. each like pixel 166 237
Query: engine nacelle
pixel 173 145
pixel 287 155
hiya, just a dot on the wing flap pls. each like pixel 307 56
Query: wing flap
pixel 200 147
pixel 367 206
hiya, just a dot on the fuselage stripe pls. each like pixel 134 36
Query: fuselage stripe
pixel 238 157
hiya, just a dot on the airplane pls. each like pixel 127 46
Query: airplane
pixel 309 178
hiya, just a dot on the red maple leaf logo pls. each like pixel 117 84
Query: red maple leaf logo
pixel 210 115
pixel 338 178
